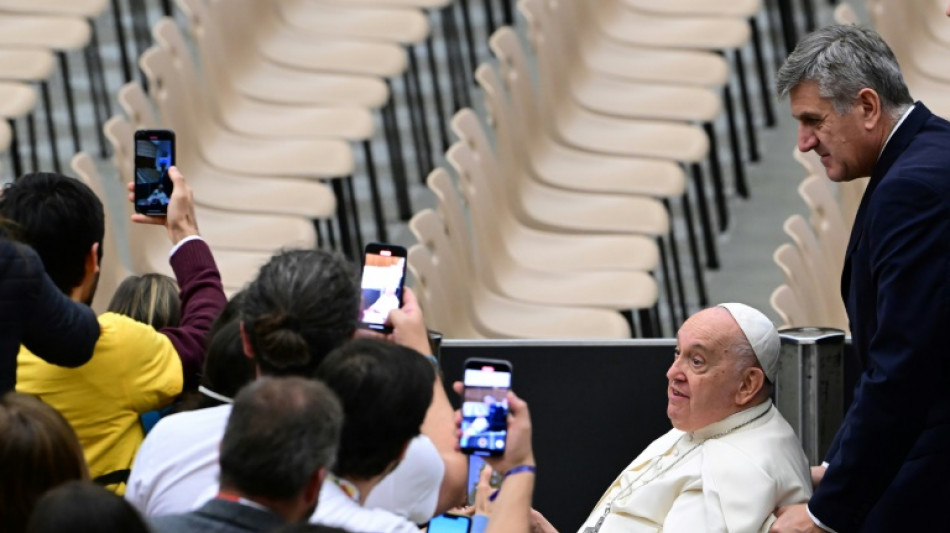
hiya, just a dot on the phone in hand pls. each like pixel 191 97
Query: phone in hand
pixel 381 285
pixel 485 407
pixel 450 523
pixel 154 155
pixel 475 466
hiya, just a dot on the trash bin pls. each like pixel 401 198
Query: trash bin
pixel 809 387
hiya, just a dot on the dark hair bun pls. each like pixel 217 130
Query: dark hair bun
pixel 282 345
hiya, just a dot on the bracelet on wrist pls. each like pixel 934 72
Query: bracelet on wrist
pixel 521 469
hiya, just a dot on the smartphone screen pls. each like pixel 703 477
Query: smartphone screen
pixel 154 154
pixel 485 406
pixel 450 523
pixel 384 272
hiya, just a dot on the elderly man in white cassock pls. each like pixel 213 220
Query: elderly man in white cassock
pixel 730 459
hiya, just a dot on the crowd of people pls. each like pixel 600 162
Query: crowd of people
pixel 179 410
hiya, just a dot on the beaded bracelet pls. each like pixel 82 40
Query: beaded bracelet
pixel 516 470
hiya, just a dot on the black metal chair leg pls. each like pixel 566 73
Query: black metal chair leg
pixel 342 217
pixel 95 95
pixel 469 34
pixel 400 175
pixel 750 133
pixel 646 323
pixel 462 97
pixel 15 149
pixel 709 236
pixel 809 8
pixel 694 253
pixel 667 281
pixel 420 105
pixel 628 316
pixel 70 102
pixel 331 236
pixel 789 29
pixel 167 8
pixel 764 81
pixel 738 164
pixel 50 127
pixel 437 94
pixel 675 260
pixel 417 141
pixel 489 16
pixel 509 12
pixel 719 192
pixel 776 30
pixel 121 39
pixel 321 240
pixel 379 216
pixel 31 133
pixel 354 212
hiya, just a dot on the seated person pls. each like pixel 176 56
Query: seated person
pixel 303 305
pixel 731 458
pixel 134 368
pixel 386 390
pixel 38 451
pixel 281 437
pixel 84 507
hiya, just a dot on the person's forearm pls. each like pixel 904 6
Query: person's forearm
pixel 202 299
pixel 439 426
pixel 511 511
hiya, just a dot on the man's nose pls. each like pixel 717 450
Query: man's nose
pixel 806 139
pixel 674 371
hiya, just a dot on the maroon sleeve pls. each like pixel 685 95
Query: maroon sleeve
pixel 202 299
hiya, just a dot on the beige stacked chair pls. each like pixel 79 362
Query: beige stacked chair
pixel 798 278
pixel 826 218
pixel 224 190
pixel 826 281
pixel 111 268
pixel 224 229
pixel 849 193
pixel 459 269
pixel 32 65
pixel 786 304
pixel 17 100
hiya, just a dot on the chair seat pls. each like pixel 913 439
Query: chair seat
pixel 56 33
pixel 606 290
pixel 266 157
pixel 611 135
pixel 645 100
pixel 274 83
pixel 720 8
pixel 221 190
pixel 405 26
pixel 265 119
pixel 555 209
pixel 633 62
pixel 309 52
pixel 498 317
pixel 706 33
pixel 545 250
pixel 23 64
pixel 254 232
pixel 570 168
pixel 16 99
pixel 88 9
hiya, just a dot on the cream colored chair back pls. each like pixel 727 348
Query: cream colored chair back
pixel 799 279
pixel 826 218
pixel 453 214
pixel 137 106
pixel 786 304
pixel 827 282
pixel 111 269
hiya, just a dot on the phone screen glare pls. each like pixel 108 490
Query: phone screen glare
pixel 485 410
pixel 153 187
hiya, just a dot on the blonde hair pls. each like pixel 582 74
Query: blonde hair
pixel 149 298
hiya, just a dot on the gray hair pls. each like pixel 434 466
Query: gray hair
pixel 745 357
pixel 281 431
pixel 843 59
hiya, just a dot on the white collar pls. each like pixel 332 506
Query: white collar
pixel 731 422
pixel 894 129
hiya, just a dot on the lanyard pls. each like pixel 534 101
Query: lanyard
pixel 348 488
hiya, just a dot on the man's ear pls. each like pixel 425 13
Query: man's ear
pixel 246 342
pixel 92 259
pixel 752 381
pixel 311 492
pixel 870 105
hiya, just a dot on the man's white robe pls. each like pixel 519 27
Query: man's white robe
pixel 716 479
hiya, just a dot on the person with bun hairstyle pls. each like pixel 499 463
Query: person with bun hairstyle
pixel 302 305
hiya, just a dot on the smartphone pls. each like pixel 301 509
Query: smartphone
pixel 485 406
pixel 154 155
pixel 381 285
pixel 450 523
pixel 475 465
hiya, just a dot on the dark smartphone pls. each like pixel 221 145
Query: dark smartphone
pixel 485 406
pixel 475 465
pixel 450 523
pixel 154 155
pixel 384 272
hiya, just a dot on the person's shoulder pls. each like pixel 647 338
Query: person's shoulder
pixel 191 423
pixel 337 510
pixel 180 523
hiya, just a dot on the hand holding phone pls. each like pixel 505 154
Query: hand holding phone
pixel 154 156
pixel 381 285
pixel 484 427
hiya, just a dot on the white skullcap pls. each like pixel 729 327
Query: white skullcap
pixel 761 334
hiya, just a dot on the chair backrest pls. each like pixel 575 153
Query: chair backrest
pixel 172 98
pixel 137 106
pixel 826 218
pixel 797 277
pixel 827 282
pixel 849 196
pixel 453 214
pixel 111 269
pixel 786 304
pixel 447 288
pixel 516 73
pixel 148 246
pixel 169 37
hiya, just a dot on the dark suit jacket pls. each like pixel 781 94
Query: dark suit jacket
pixel 219 516
pixel 890 462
